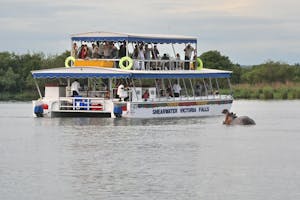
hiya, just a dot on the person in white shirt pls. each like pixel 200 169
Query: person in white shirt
pixel 122 92
pixel 176 89
pixel 75 88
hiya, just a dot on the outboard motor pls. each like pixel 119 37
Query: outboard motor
pixel 118 111
pixel 39 109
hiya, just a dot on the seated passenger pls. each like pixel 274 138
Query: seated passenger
pixel 146 95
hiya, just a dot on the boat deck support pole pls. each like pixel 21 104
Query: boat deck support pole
pixel 38 88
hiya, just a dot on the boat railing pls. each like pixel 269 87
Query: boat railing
pixel 187 98
pixel 141 64
pixel 81 103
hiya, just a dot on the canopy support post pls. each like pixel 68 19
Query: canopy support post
pixel 193 91
pixel 110 88
pixel 206 93
pixel 38 88
pixel 185 88
pixel 231 92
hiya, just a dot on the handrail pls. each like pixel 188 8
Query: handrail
pixel 81 103
pixel 151 64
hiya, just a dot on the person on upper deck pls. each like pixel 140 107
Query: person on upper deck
pixel 165 64
pixel 74 51
pixel 107 50
pixel 100 46
pixel 95 50
pixel 122 50
pixel 84 52
pixel 187 56
pixel 141 57
pixel 155 53
pixel 114 50
pixel 178 64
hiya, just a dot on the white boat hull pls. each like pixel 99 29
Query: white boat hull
pixel 177 109
pixel 155 108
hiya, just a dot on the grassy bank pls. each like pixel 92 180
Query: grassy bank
pixel 267 91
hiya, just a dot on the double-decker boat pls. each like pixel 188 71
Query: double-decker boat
pixel 129 82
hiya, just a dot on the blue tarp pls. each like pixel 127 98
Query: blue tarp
pixel 118 73
pixel 120 37
pixel 79 75
pixel 134 39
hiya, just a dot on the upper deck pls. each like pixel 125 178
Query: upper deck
pixel 147 51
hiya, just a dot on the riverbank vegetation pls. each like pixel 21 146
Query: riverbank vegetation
pixel 270 80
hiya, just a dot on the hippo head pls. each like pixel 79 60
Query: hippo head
pixel 225 111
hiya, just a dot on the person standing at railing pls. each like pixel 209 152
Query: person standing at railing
pixel 176 89
pixel 155 53
pixel 187 56
pixel 75 86
pixel 100 47
pixel 165 62
pixel 122 50
pixel 178 62
pixel 74 50
pixel 106 50
pixel 141 57
pixel 147 56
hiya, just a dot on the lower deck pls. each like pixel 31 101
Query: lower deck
pixel 152 108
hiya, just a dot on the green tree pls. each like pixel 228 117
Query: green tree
pixel 8 81
pixel 269 72
pixel 215 60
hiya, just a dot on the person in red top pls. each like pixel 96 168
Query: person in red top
pixel 146 95
pixel 84 52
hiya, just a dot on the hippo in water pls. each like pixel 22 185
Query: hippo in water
pixel 232 119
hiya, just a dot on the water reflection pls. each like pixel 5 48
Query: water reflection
pixel 123 121
pixel 190 158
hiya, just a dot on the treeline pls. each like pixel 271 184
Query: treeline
pixel 258 82
pixel 16 82
pixel 270 80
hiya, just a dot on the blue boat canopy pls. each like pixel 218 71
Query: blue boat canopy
pixel 130 37
pixel 94 72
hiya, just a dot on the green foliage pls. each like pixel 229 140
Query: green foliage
pixel 214 60
pixel 16 81
pixel 270 72
pixel 267 91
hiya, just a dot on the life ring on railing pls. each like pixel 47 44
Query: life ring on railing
pixel 68 59
pixel 200 64
pixel 126 59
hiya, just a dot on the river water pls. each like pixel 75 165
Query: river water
pixel 193 158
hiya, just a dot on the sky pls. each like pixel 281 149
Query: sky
pixel 247 31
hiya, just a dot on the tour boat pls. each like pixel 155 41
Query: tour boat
pixel 129 85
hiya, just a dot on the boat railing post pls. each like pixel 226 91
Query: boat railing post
pixel 193 91
pixel 206 92
pixel 185 88
pixel 231 91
